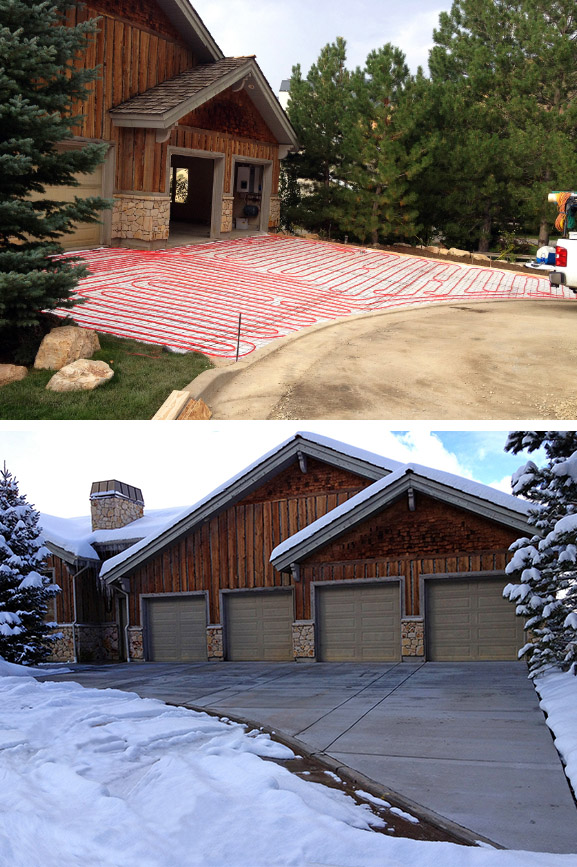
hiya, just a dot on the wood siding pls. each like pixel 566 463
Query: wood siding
pixel 232 550
pixel 92 604
pixel 233 113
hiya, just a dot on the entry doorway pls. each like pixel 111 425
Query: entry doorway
pixel 191 196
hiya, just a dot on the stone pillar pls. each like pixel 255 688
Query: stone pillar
pixel 214 643
pixel 135 644
pixel 274 216
pixel 412 637
pixel 226 221
pixel 114 504
pixel 140 220
pixel 303 640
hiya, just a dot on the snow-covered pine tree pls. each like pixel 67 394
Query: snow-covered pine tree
pixel 544 568
pixel 42 88
pixel 24 591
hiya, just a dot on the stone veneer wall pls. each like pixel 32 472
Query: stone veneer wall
pixel 114 511
pixel 214 642
pixel 93 643
pixel 274 216
pixel 62 650
pixel 226 219
pixel 412 637
pixel 303 639
pixel 140 217
pixel 135 644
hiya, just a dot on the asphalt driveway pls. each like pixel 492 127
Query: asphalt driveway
pixel 466 741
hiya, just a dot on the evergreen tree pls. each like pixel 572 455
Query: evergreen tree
pixel 385 162
pixel 503 91
pixel 317 110
pixel 40 90
pixel 24 591
pixel 544 568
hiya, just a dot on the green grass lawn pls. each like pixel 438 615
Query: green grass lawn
pixel 144 376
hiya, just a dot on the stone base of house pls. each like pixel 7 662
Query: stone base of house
pixel 274 215
pixel 93 643
pixel 226 218
pixel 140 221
pixel 412 638
pixel 303 640
pixel 214 643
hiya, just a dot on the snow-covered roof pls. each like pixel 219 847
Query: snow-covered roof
pixel 76 537
pixel 462 492
pixel 357 460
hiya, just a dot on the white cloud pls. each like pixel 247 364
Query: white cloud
pixel 503 485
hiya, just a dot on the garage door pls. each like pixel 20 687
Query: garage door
pixel 470 620
pixel 177 629
pixel 361 623
pixel 85 235
pixel 259 626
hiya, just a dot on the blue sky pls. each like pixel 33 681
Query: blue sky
pixel 56 462
pixel 283 34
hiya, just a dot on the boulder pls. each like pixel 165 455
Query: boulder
pixel 11 373
pixel 480 257
pixel 460 254
pixel 433 249
pixel 65 344
pixel 81 375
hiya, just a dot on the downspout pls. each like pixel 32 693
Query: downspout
pixel 119 589
pixel 75 575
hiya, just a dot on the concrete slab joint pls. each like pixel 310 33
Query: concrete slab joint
pixel 412 637
pixel 303 632
pixel 214 642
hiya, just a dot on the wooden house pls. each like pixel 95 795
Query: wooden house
pixel 194 138
pixel 317 551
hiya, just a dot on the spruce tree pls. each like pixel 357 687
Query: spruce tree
pixel 24 591
pixel 40 91
pixel 544 567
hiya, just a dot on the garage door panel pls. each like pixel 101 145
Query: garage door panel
pixel 468 619
pixel 84 235
pixel 359 623
pixel 259 626
pixel 177 629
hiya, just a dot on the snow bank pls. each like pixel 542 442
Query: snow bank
pixel 103 777
pixel 558 694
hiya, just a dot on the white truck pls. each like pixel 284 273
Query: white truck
pixel 565 273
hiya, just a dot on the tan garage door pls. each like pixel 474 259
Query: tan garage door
pixel 85 235
pixel 470 620
pixel 361 623
pixel 177 629
pixel 259 626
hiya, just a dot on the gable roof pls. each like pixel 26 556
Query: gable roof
pixel 162 106
pixel 464 493
pixel 187 21
pixel 365 464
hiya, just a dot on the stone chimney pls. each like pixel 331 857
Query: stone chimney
pixel 114 504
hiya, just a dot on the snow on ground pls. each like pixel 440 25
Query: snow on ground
pixel 102 777
pixel 558 692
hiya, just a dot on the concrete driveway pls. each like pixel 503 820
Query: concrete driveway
pixel 466 741
pixel 460 360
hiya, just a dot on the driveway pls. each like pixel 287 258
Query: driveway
pixel 461 360
pixel 190 297
pixel 464 740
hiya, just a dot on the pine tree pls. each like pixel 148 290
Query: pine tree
pixel 503 95
pixel 317 108
pixel 40 93
pixel 384 160
pixel 544 568
pixel 24 591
